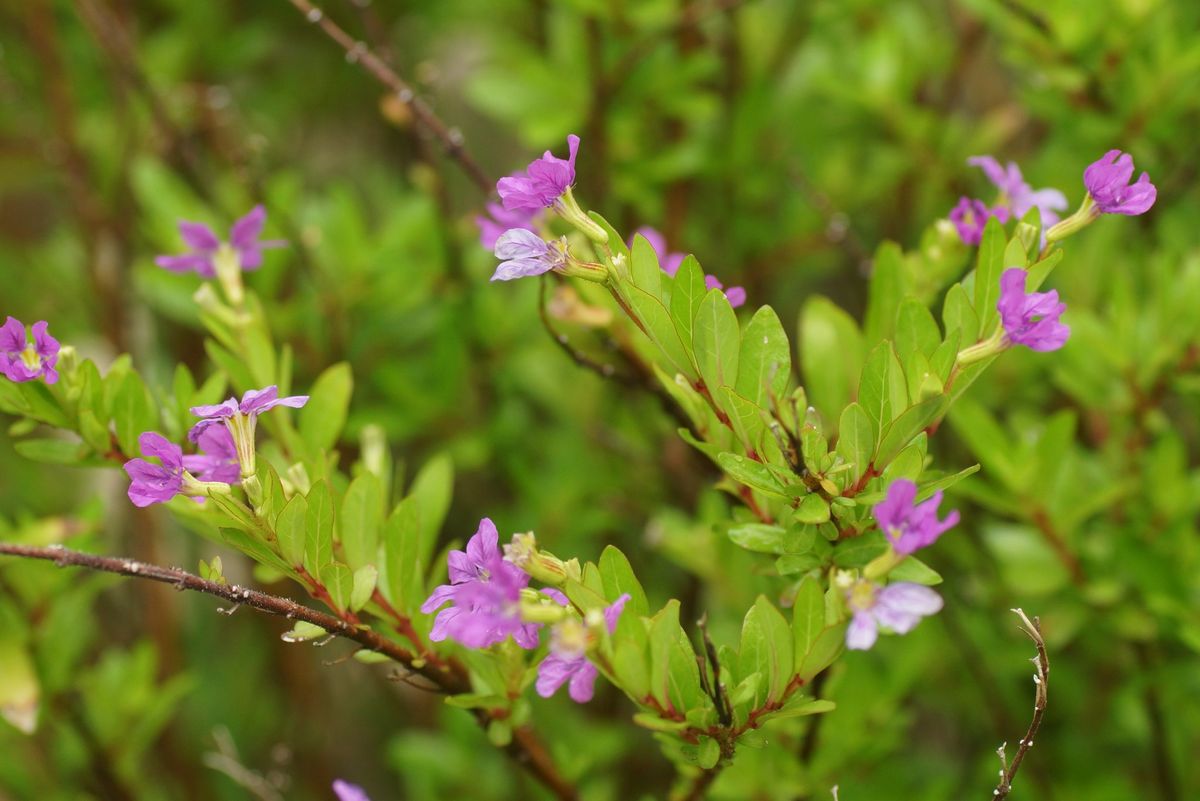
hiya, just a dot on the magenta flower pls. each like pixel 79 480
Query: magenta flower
pixel 897 608
pixel 911 527
pixel 22 360
pixel 524 254
pixel 1018 196
pixel 203 244
pixel 254 402
pixel 485 592
pixel 970 216
pixel 345 791
pixel 219 460
pixel 567 660
pixel 155 483
pixel 543 182
pixel 670 263
pixel 1107 181
pixel 1030 319
pixel 498 220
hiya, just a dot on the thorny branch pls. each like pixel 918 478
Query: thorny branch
pixel 524 748
pixel 1008 770
pixel 357 52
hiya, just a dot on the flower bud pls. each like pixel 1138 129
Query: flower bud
pixel 541 565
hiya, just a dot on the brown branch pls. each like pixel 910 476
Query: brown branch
pixel 357 52
pixel 525 748
pixel 1008 771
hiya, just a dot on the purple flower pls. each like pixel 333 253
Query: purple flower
pixel 525 254
pixel 152 483
pixel 219 460
pixel 254 402
pixel 542 183
pixel 897 608
pixel 1019 196
pixel 1031 319
pixel 670 263
pixel 203 244
pixel 970 216
pixel 22 360
pixel 567 660
pixel 498 220
pixel 910 528
pixel 346 791
pixel 1107 181
pixel 485 592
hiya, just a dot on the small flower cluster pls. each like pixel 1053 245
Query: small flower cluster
pixel 899 606
pixel 490 602
pixel 1108 192
pixel 203 245
pixel 227 452
pixel 22 360
pixel 1015 200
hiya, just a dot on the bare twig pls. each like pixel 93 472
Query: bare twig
pixel 448 677
pixel 357 52
pixel 1008 770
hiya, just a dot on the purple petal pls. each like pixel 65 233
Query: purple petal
pixel 226 408
pixel 519 243
pixel 736 296
pixel 612 614
pixel 553 672
pixel 555 595
pixel 892 510
pixel 862 632
pixel 12 336
pixel 46 345
pixel 349 792
pixel 520 268
pixel 198 236
pixel 190 263
pixel 583 683
pixel 155 445
pixel 246 231
pixel 901 606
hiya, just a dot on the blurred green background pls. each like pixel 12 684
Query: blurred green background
pixel 779 141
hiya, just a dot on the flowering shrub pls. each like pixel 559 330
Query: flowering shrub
pixel 827 489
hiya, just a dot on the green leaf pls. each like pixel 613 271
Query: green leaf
pixel 906 427
pixel 686 296
pixel 916 331
pixel 360 520
pixel 831 355
pixel 20 690
pixel 751 473
pixel 885 292
pixel 617 577
pixel 859 551
pixel 644 268
pixel 959 315
pixel 324 416
pixel 51 451
pixel 133 412
pixel 881 389
pixel 753 661
pixel 808 615
pixel 339 583
pixel 363 586
pixel 318 536
pixel 988 266
pixel 708 753
pixel 761 538
pixel 432 490
pixel 658 325
pixel 403 567
pixel 765 361
pixel 778 644
pixel 291 529
pixel 856 438
pixel 716 341
pixel 813 510
pixel 914 570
